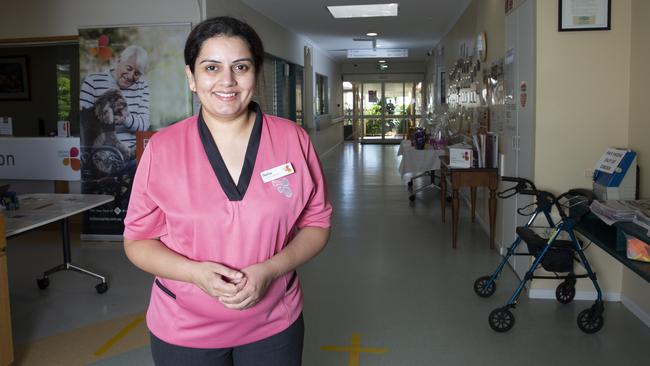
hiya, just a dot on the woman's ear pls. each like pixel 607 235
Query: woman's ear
pixel 190 78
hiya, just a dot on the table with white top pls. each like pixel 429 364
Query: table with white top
pixel 38 209
pixel 422 163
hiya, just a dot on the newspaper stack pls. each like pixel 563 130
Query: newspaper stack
pixel 642 210
pixel 612 211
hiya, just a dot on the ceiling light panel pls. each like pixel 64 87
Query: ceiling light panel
pixel 379 53
pixel 364 11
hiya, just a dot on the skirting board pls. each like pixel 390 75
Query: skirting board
pixel 543 293
pixel 101 237
pixel 580 295
pixel 329 150
pixel 636 310
pixel 591 295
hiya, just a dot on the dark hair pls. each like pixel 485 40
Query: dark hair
pixel 223 26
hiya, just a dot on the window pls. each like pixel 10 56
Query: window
pixel 63 92
pixel 322 95
pixel 280 89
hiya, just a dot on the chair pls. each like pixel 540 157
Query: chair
pixel 141 140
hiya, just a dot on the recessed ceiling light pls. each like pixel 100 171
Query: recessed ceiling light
pixel 364 11
pixel 372 34
pixel 381 61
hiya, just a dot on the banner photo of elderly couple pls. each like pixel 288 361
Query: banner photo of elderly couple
pixel 132 80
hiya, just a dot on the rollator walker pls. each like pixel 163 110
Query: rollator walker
pixel 553 254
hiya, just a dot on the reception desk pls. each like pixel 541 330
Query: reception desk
pixel 40 158
pixel 6 343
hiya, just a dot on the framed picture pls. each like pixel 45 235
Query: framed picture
pixel 584 15
pixel 14 78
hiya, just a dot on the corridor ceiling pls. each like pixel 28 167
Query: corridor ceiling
pixel 419 26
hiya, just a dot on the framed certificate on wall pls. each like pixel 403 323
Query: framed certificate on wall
pixel 584 15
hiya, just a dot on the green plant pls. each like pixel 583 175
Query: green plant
pixel 63 97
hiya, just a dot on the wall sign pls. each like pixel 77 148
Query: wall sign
pixel 582 15
pixel 40 158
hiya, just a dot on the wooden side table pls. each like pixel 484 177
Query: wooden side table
pixel 467 177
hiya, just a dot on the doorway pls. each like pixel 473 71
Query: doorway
pixel 382 112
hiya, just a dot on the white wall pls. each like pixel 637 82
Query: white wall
pixel 47 18
pixel 287 45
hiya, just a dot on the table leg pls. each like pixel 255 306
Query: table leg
pixel 443 192
pixel 65 237
pixel 67 265
pixel 493 215
pixel 454 214
pixel 472 191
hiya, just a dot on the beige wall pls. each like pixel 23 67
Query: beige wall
pixel 480 16
pixel 635 288
pixel 639 129
pixel 591 89
pixel 581 109
pixel 582 96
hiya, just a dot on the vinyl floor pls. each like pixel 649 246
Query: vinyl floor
pixel 387 290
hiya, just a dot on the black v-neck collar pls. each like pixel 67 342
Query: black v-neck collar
pixel 234 192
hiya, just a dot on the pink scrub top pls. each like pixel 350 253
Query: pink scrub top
pixel 183 194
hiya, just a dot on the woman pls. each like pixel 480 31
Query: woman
pixel 224 253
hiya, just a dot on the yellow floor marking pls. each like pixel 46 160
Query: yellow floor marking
pixel 354 350
pixel 77 346
pixel 118 336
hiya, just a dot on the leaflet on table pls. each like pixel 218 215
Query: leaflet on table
pixel 642 217
pixel 460 156
pixel 611 211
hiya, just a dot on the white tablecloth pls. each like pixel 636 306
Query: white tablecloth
pixel 418 161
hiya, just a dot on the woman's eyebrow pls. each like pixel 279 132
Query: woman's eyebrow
pixel 233 61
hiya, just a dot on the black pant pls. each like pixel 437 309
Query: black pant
pixel 282 349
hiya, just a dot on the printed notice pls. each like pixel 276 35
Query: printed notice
pixel 610 160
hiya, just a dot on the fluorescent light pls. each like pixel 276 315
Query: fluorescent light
pixel 364 11
pixel 381 61
pixel 372 34
pixel 379 53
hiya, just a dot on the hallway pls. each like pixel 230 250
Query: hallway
pixel 388 282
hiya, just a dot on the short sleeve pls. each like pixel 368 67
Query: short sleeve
pixel 318 210
pixel 144 217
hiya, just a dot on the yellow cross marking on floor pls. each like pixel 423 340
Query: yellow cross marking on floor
pixel 355 350
pixel 118 336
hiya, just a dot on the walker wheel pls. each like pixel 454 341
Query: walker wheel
pixel 501 319
pixel 589 321
pixel 43 283
pixel 101 288
pixel 482 288
pixel 410 184
pixel 564 293
pixel 412 198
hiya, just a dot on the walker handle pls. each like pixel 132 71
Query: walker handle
pixel 524 186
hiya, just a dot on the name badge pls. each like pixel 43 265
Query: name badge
pixel 277 172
